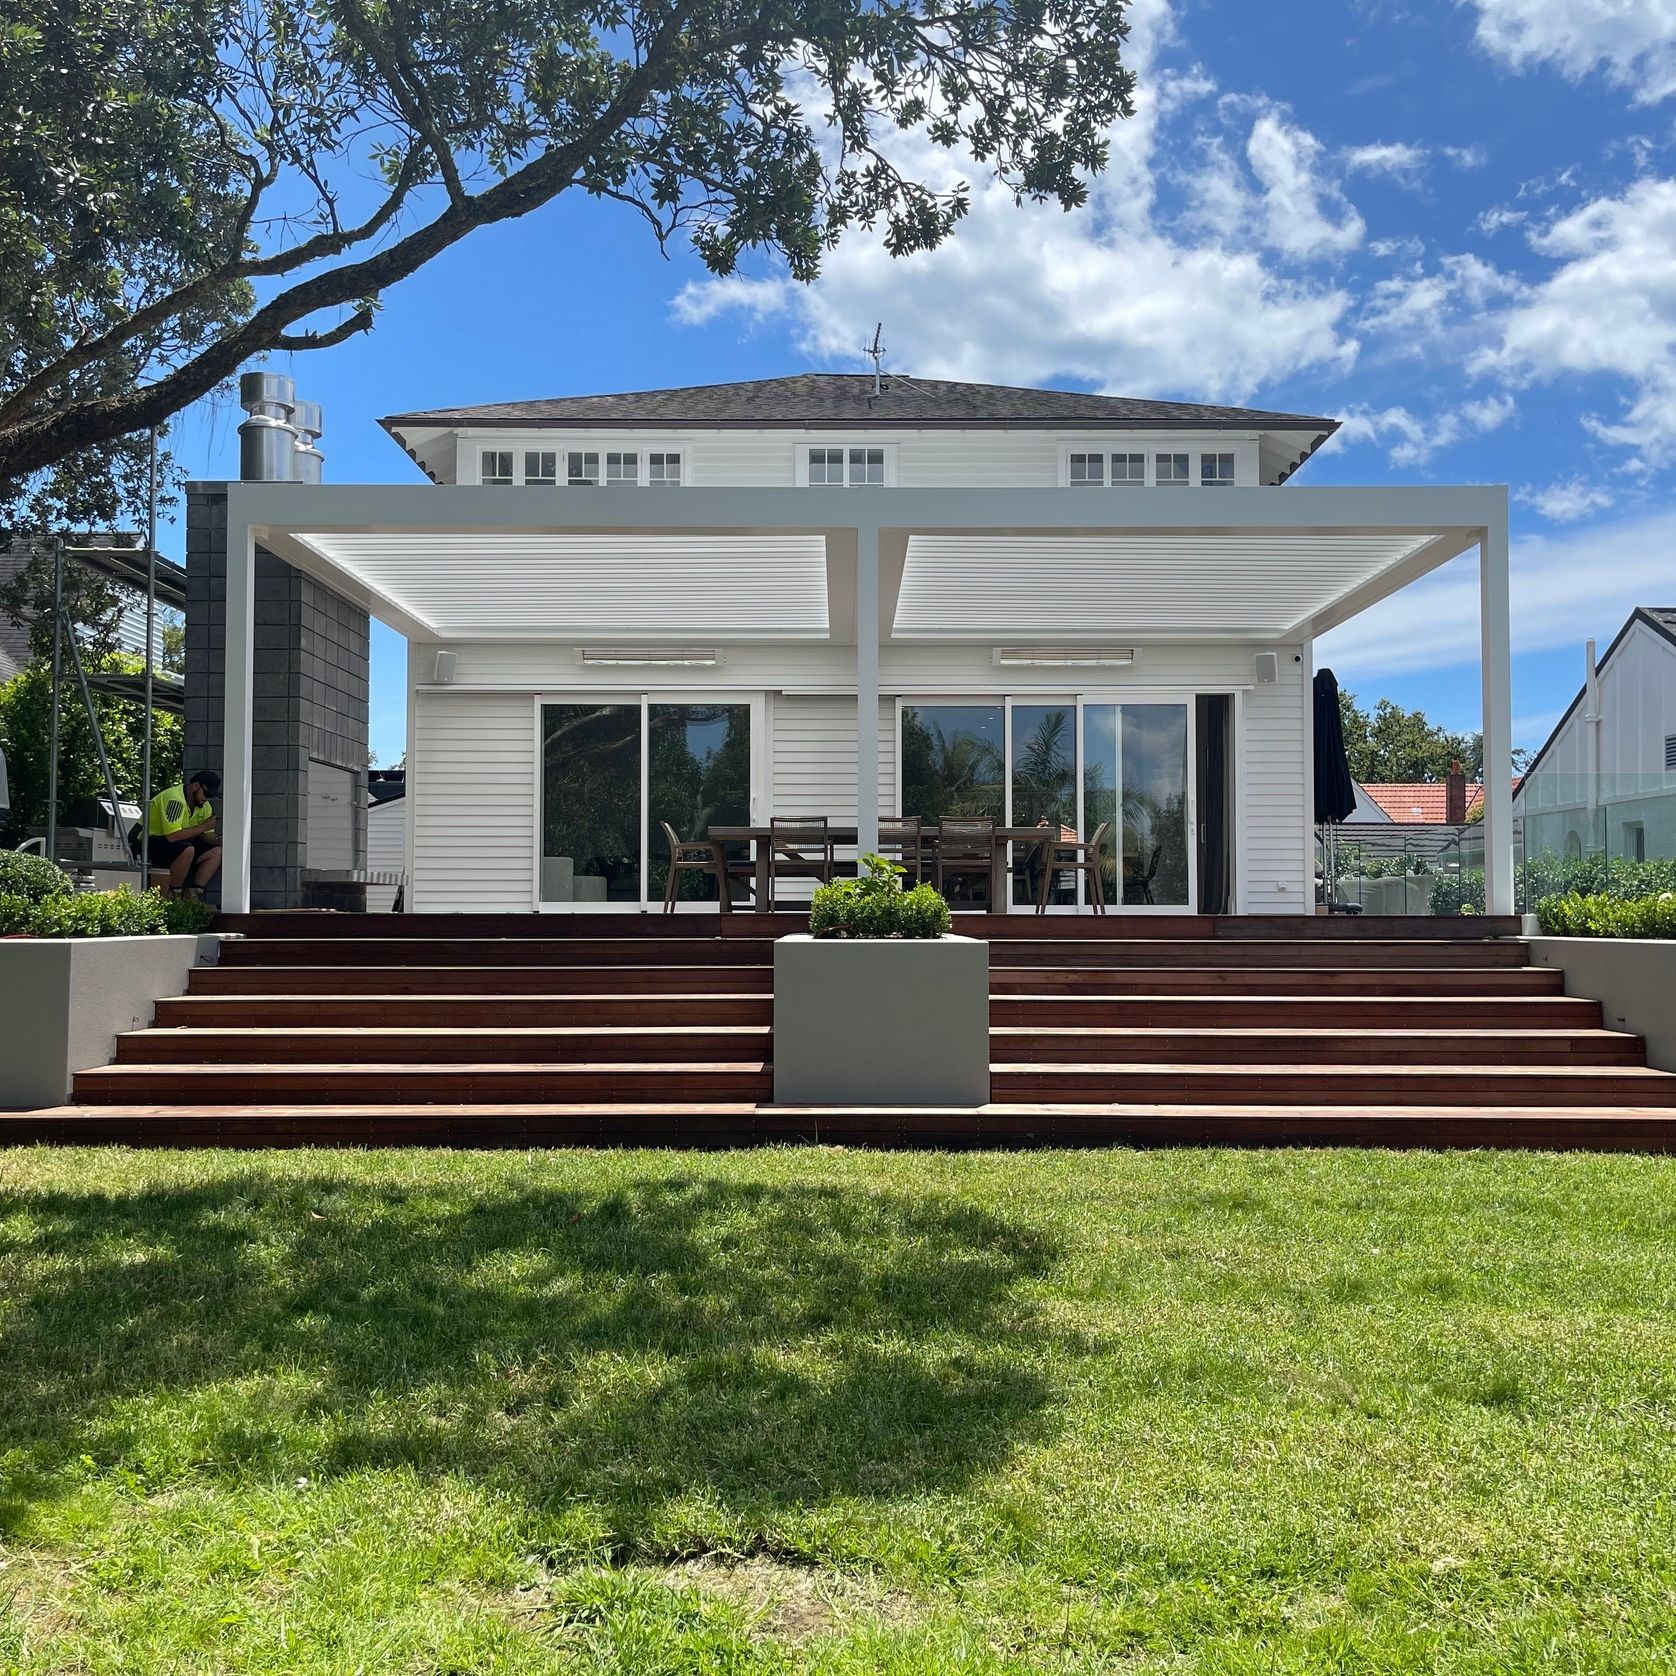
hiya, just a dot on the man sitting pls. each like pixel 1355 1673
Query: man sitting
pixel 180 834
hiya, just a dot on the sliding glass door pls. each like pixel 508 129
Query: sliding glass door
pixel 1068 765
pixel 614 772
pixel 1136 761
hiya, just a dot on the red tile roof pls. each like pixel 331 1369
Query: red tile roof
pixel 1420 802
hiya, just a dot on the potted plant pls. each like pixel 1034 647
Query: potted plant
pixel 878 1004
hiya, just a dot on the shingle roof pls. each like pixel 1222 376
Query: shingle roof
pixel 841 399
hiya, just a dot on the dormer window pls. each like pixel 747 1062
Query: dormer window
pixel 1172 470
pixel 1216 471
pixel 494 466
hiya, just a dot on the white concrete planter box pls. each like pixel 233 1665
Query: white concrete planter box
pixel 64 1001
pixel 879 1022
pixel 1633 979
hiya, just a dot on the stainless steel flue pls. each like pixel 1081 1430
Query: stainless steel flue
pixel 267 442
pixel 306 459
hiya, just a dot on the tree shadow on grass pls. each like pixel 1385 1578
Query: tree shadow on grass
pixel 755 1347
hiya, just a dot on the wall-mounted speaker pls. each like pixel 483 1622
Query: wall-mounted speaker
pixel 447 661
pixel 1268 668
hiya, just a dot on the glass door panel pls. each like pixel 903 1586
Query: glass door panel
pixel 590 803
pixel 953 760
pixel 1044 787
pixel 1135 772
pixel 698 775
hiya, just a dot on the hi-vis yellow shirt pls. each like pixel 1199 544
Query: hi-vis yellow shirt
pixel 170 812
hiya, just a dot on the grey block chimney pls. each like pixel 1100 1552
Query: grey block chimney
pixel 309 699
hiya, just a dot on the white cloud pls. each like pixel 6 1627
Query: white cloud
pixel 1424 309
pixel 698 303
pixel 1466 156
pixel 1565 587
pixel 1608 307
pixel 1304 213
pixel 1565 503
pixel 1410 439
pixel 1500 218
pixel 1633 41
pixel 1212 301
pixel 1396 159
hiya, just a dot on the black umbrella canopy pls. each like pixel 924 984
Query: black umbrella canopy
pixel 1335 791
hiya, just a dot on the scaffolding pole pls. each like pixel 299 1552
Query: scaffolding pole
pixel 57 671
pixel 150 658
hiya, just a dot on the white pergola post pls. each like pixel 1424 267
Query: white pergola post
pixel 1496 663
pixel 237 720
pixel 867 691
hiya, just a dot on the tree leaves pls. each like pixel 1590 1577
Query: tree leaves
pixel 187 184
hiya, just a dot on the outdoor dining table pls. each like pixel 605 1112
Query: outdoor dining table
pixel 760 838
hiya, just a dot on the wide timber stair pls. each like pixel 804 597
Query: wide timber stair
pixel 527 1031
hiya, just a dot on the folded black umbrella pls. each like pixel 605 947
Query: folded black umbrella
pixel 1335 791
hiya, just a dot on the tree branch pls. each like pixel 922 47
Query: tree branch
pixel 32 443
pixel 360 321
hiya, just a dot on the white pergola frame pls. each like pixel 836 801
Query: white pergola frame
pixel 1443 522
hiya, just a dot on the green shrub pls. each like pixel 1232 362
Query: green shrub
pixel 875 905
pixel 1557 875
pixel 31 877
pixel 184 917
pixel 1576 915
pixel 17 915
pixel 101 913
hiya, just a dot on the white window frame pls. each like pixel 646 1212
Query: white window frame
pixel 1174 454
pixel 805 447
pixel 1219 454
pixel 645 697
pixel 498 479
pixel 521 448
pixel 991 698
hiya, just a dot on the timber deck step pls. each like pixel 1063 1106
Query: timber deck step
pixel 1425 1012
pixel 1282 1045
pixel 1369 1084
pixel 431 1045
pixel 477 980
pixel 750 1123
pixel 389 1011
pixel 565 1082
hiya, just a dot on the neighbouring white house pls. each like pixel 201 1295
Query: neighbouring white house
pixel 1604 782
pixel 829 594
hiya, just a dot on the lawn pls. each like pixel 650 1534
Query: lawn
pixel 821 1411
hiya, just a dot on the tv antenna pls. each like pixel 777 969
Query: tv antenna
pixel 875 352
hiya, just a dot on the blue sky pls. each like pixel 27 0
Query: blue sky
pixel 1451 224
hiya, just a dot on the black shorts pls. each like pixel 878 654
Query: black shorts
pixel 161 851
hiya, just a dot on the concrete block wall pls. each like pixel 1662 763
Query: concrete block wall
pixel 309 701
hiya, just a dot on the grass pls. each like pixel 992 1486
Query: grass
pixel 1194 1412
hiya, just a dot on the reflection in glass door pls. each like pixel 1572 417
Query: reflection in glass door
pixel 1044 788
pixel 590 803
pixel 698 776
pixel 613 773
pixel 1135 775
pixel 953 761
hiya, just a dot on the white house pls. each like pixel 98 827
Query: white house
pixel 1605 780
pixel 676 606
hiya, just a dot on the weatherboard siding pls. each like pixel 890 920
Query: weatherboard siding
pixel 474 780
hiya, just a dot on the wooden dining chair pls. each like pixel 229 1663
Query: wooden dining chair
pixel 1073 856
pixel 799 847
pixel 700 855
pixel 966 849
pixel 902 838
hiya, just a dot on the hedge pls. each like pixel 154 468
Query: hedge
pixel 1557 875
pixel 101 913
pixel 1575 915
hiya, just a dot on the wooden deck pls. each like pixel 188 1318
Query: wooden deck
pixel 607 1030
